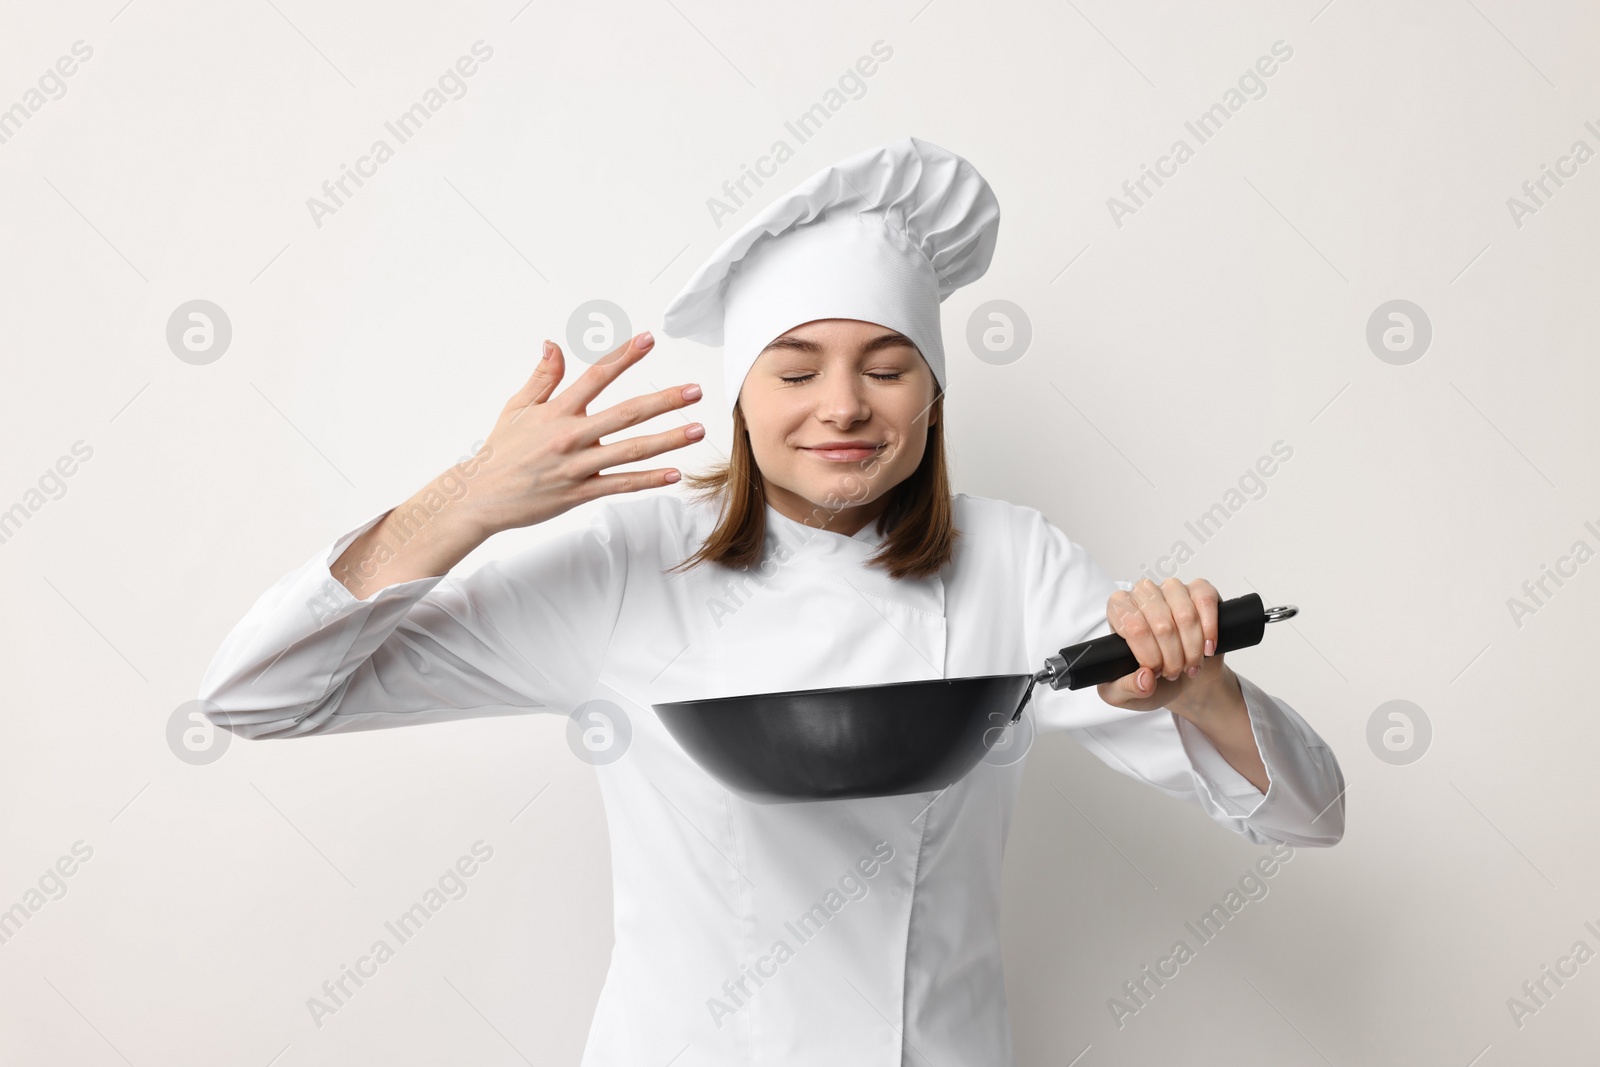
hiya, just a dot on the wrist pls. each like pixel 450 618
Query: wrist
pixel 461 499
pixel 444 514
pixel 1210 696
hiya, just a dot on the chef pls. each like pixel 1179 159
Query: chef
pixel 827 551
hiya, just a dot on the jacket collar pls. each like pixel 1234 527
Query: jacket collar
pixel 796 533
pixel 845 558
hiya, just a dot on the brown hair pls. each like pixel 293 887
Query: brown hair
pixel 919 518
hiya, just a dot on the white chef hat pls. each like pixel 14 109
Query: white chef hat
pixel 882 236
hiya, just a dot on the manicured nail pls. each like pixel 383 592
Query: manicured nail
pixel 1144 680
pixel 643 341
pixel 1193 671
pixel 691 392
pixel 1209 645
pixel 673 476
pixel 695 432
pixel 549 350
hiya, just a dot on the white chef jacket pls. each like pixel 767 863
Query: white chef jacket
pixel 862 932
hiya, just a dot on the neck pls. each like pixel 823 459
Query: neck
pixel 848 521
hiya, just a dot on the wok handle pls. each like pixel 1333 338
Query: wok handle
pixel 1241 622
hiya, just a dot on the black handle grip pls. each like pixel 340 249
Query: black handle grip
pixel 1240 623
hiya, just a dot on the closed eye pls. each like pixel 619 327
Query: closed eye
pixel 896 376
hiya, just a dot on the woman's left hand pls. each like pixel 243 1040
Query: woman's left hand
pixel 1169 628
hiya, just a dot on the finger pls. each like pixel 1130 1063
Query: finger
pixel 598 485
pixel 576 398
pixel 1153 603
pixel 1208 601
pixel 1127 619
pixel 639 409
pixel 1130 688
pixel 635 449
pixel 1186 618
pixel 546 376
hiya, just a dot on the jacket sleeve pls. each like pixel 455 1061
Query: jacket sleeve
pixel 1065 604
pixel 528 633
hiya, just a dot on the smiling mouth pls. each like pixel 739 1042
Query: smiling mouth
pixel 842 455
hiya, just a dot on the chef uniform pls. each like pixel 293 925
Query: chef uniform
pixel 863 932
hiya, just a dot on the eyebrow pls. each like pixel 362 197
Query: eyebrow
pixel 803 344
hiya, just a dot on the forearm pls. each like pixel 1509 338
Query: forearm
pixel 1221 715
pixel 422 538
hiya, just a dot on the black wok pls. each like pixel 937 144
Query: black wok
pixel 903 737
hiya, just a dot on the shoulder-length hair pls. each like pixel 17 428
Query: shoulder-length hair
pixel 919 519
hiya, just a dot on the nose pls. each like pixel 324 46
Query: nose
pixel 842 400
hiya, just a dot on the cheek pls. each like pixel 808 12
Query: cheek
pixel 913 427
pixel 768 442
pixel 909 458
pixel 774 426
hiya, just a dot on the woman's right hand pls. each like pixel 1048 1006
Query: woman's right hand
pixel 544 455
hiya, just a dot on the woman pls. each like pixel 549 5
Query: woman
pixel 827 551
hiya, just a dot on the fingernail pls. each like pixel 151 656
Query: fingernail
pixel 673 476
pixel 691 392
pixel 1144 680
pixel 643 341
pixel 549 350
pixel 1209 645
pixel 1193 671
pixel 696 431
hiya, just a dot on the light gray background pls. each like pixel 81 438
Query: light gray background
pixel 1168 355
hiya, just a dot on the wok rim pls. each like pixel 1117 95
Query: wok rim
pixel 708 702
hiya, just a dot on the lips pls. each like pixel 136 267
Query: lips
pixel 843 453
